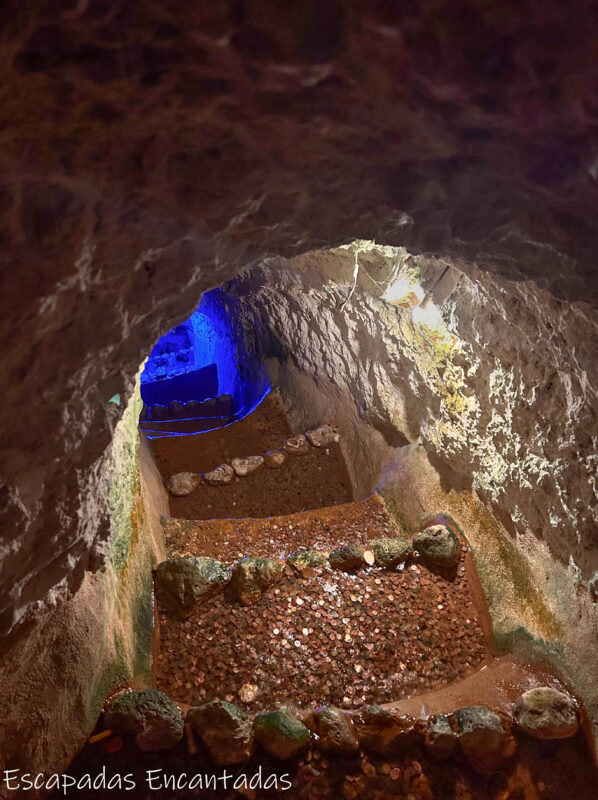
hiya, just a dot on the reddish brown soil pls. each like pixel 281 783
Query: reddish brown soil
pixel 266 428
pixel 278 537
pixel 316 479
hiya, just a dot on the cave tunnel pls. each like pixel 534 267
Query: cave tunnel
pixel 300 402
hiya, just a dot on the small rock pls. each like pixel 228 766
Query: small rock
pixel 280 733
pixel 245 466
pixel 219 476
pixel 275 458
pixel 347 557
pixel 183 483
pixel 248 692
pixel 306 562
pixel 322 436
pixel 183 582
pixel 438 545
pixel 483 739
pixel 176 409
pixel 159 412
pixel 390 552
pixel 148 715
pixel 253 576
pixel 225 729
pixel 336 731
pixel 385 731
pixel 440 739
pixel 547 713
pixel 296 445
pixel 593 587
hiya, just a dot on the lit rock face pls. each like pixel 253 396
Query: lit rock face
pixel 151 151
pixel 501 387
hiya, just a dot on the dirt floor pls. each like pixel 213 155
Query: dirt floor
pixel 316 479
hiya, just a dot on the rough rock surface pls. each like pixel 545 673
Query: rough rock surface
pixel 148 715
pixel 219 476
pixel 482 737
pixel 226 730
pixel 437 545
pixel 183 483
pixel 385 731
pixel 323 436
pixel 254 576
pixel 245 466
pixel 280 733
pixel 306 562
pixel 465 133
pixel 440 739
pixel 296 445
pixel 390 552
pixel 335 731
pixel 183 582
pixel 347 557
pixel 547 713
pixel 275 458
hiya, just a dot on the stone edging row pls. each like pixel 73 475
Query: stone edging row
pixel 185 581
pixel 183 483
pixel 484 737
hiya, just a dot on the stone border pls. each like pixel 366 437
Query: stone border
pixel 484 737
pixel 182 484
pixel 183 582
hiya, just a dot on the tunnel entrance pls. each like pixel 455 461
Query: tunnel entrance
pixel 203 374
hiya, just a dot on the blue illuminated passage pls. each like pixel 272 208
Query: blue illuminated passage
pixel 208 356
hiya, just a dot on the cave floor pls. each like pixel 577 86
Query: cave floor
pixel 317 479
pixel 408 635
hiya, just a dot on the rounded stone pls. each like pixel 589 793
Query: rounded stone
pixel 547 713
pixel 225 729
pixel 245 466
pixel 275 458
pixel 149 716
pixel 440 739
pixel 296 445
pixel 183 582
pixel 306 562
pixel 323 436
pixel 438 545
pixel 253 576
pixel 390 553
pixel 347 557
pixel 484 740
pixel 336 731
pixel 183 483
pixel 281 734
pixel 219 476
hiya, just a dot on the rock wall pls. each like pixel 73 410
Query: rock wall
pixel 57 671
pixel 502 390
pixel 486 411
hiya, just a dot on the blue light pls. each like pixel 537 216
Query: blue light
pixel 208 355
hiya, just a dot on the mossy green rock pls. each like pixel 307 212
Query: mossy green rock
pixel 149 716
pixel 280 733
pixel 347 557
pixel 390 552
pixel 254 576
pixel 306 562
pixel 438 545
pixel 225 729
pixel 183 582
